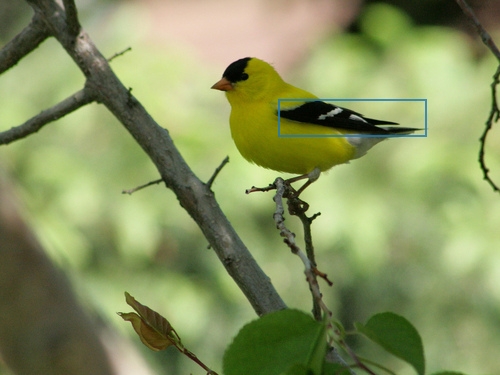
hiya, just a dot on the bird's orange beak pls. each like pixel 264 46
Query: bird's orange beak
pixel 223 85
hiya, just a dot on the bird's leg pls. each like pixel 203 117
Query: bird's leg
pixel 311 177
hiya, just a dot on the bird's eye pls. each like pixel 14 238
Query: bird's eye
pixel 244 77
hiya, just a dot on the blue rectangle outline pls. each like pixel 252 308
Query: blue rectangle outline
pixel 352 135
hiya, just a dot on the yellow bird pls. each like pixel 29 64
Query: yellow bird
pixel 313 135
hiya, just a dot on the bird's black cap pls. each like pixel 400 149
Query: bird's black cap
pixel 236 71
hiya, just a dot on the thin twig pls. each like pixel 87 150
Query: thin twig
pixel 495 111
pixel 119 53
pixel 356 359
pixel 298 207
pixel 284 189
pixel 333 356
pixel 375 364
pixel 217 171
pixel 254 189
pixel 68 105
pixel 133 190
pixel 194 358
pixel 492 118
pixel 279 218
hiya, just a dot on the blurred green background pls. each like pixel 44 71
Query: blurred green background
pixel 411 228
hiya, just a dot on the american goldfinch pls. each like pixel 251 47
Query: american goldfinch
pixel 303 146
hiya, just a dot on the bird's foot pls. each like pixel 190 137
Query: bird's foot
pixel 291 191
pixel 311 177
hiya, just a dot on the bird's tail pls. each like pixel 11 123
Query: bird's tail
pixel 363 144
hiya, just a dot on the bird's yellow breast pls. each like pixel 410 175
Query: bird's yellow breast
pixel 255 134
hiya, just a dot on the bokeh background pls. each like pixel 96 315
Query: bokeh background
pixel 411 228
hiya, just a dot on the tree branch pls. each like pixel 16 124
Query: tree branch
pixel 194 196
pixel 68 105
pixel 217 171
pixel 492 118
pixel 298 207
pixel 485 36
pixel 23 43
pixel 71 17
pixel 495 111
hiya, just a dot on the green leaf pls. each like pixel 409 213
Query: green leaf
pixel 275 343
pixel 328 369
pixel 448 373
pixel 299 369
pixel 334 369
pixel 396 335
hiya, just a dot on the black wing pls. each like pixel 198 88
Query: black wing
pixel 321 113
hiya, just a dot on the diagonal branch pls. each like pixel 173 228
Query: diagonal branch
pixel 75 101
pixel 23 43
pixel 194 195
